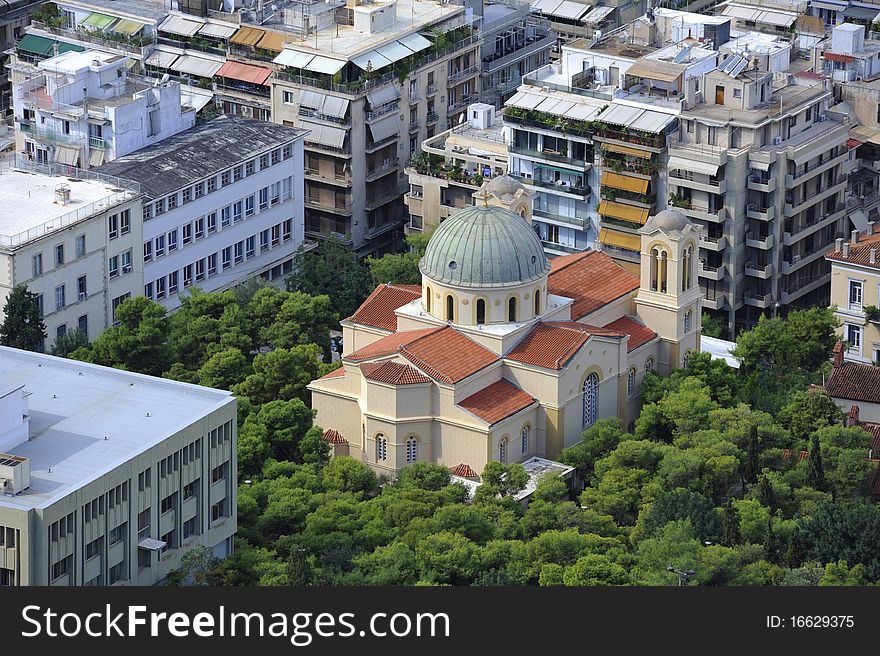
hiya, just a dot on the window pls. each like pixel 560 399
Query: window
pixel 80 245
pixel 524 437
pixel 590 400
pixel 144 480
pixel 61 330
pixel 82 324
pixel 160 246
pixel 187 233
pixel 218 473
pixel 113 266
pixel 116 301
pixel 688 320
pixel 200 270
pixel 125 222
pixel 450 308
pixel 276 234
pixel 276 156
pixel 287 229
pixel 227 257
pixel 264 241
pixel 481 311
pixel 40 304
pixel 649 365
pixel 189 490
pixel 189 528
pixel 59 255
pixel 511 309
pixel 117 534
pixel 264 198
pixel 854 337
pixel 172 282
pixel 250 247
pixel 212 264
pixel 381 448
pixel 631 382
pixel 148 250
pixel 737 92
pixel 237 211
pixel 264 161
pixel 537 302
pixel 411 450
pixel 126 261
pixel 855 294
pixel 502 450
pixel 249 206
pixel 225 216
pixel 148 290
pixel 239 252
pixel 249 167
pixel 113 226
pixel 159 206
pixel 187 195
pixel 172 240
pixel 287 98
pixel 200 189
pixel 59 297
pixel 200 228
pixel 238 173
pixel 38 264
pixel 187 275
pixel 211 184
pixel 172 201
pixel 147 212
pixel 218 511
pixel 212 222
pixel 160 287
pixel 168 503
pixel 81 288
pixel 224 178
pixel 285 152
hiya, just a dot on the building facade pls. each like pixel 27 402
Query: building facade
pixel 109 477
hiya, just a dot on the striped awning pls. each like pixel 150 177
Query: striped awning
pixel 620 239
pixel 99 21
pixel 67 155
pixel 618 181
pixel 272 41
pixel 247 36
pixel 175 24
pixel 624 212
pixel 128 27
pixel 626 150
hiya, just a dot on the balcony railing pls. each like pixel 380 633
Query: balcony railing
pixel 382 110
pixel 552 156
pixel 311 113
pixel 337 208
pixel 138 47
pixel 382 198
pixel 471 71
pixel 383 168
pixel 430 90
pixel 579 222
pixel 432 117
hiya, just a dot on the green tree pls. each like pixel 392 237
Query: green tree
pixel 302 319
pixel 272 431
pixel 223 369
pixel 598 440
pixel 730 521
pixel 299 570
pixel 840 573
pixel 595 569
pixel 281 374
pixel 22 326
pixel 69 342
pixel 815 469
pixel 751 468
pixel 401 268
pixel 844 530
pixel 501 479
pixel 807 411
pixel 677 504
pixel 333 270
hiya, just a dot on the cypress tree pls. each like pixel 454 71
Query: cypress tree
pixel 815 470
pixel 730 534
pixel 23 327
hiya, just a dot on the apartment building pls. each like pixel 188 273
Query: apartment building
pixel 81 109
pixel 223 201
pixel 14 17
pixel 515 41
pixel 760 163
pixel 109 477
pixel 453 166
pixel 74 238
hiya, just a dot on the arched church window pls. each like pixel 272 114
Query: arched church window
pixel 537 302
pixel 481 310
pixel 450 308
pixel 591 400
pixel 511 309
pixel 428 299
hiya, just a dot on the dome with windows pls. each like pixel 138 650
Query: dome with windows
pixel 668 221
pixel 484 247
pixel 503 187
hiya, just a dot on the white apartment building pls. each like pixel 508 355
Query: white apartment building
pixel 56 238
pixel 83 108
pixel 223 201
pixel 109 477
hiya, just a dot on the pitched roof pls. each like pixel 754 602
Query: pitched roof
pixel 393 373
pixel 639 333
pixel 389 344
pixel 859 253
pixel 334 437
pixel 447 355
pixel 788 454
pixel 464 471
pixel 855 382
pixel 497 401
pixel 378 309
pixel 336 373
pixel 591 279
pixel 552 344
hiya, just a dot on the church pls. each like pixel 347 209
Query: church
pixel 502 354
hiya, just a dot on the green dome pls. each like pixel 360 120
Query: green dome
pixel 484 247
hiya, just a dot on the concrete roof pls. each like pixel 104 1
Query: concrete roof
pixel 74 405
pixel 152 10
pixel 199 152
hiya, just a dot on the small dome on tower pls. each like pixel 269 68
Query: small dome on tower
pixel 502 186
pixel 668 221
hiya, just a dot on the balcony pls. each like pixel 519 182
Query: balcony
pixel 717 303
pixel 579 222
pixel 712 272
pixel 755 211
pixel 318 116
pixel 341 208
pixel 702 183
pixel 98 142
pixel 383 169
pixel 382 198
pixel 713 243
pixel 754 299
pixel 373 146
pixel 758 183
pixel 462 104
pixel 381 111
pixel 459 76
pixel 581 192
pixel 757 241
pixel 705 213
pixel 762 271
pixel 414 125
pixel 432 117
pixel 375 231
pixel 560 249
pixel 554 156
pixel 430 90
pixel 345 151
pixel 536 45
pixel 338 179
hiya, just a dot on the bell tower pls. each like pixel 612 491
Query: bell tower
pixel 669 300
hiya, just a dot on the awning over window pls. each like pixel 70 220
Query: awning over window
pixel 40 45
pixel 334 106
pixel 98 21
pixel 394 51
pixel 618 181
pixel 67 155
pixel 128 27
pixel 293 58
pixel 383 95
pixel 96 156
pixel 323 134
pixel 325 65
pixel 626 150
pixel 620 239
pixel 385 127
pixel 415 42
pixel 195 97
pixel 218 30
pixel 623 212
pixel 161 58
pixel 653 69
pixel 179 25
pixel 636 118
pixel 570 10
pixel 706 168
pixel 192 65
pixel 245 72
pixel 597 15
pixel 151 544
pixel 247 36
pixel 761 166
pixel 371 61
pixel 840 59
pixel 272 41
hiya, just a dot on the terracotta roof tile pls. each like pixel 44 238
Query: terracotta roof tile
pixel 810 75
pixel 336 373
pixel 788 454
pixel 390 344
pixel 552 344
pixel 859 253
pixel 334 437
pixel 378 310
pixel 639 333
pixel 447 355
pixel 464 471
pixel 591 279
pixel 497 401
pixel 393 373
pixel 855 382
pixel 875 483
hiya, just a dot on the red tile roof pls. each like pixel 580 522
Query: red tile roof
pixel 787 454
pixel 393 373
pixel 591 279
pixel 334 437
pixel 810 75
pixel 378 310
pixel 841 59
pixel 336 373
pixel 497 401
pixel 639 333
pixel 875 483
pixel 855 382
pixel 447 355
pixel 853 143
pixel 464 471
pixel 874 430
pixel 859 253
pixel 552 344
pixel 389 344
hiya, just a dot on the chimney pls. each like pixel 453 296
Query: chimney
pixel 854 237
pixel 838 244
pixel 873 255
pixel 846 249
pixel 838 354
pixel 853 416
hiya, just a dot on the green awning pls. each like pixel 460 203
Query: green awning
pixel 40 45
pixel 98 21
pixel 67 47
pixel 125 26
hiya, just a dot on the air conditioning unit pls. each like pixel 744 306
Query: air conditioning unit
pixel 777 140
pixel 82 296
pixel 823 117
pixel 126 268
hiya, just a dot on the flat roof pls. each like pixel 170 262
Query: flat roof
pixel 535 467
pixel 151 10
pixel 719 349
pixel 73 406
pixel 27 203
pixel 199 152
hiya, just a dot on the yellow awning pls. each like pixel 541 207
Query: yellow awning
pixel 247 36
pixel 272 41
pixel 626 150
pixel 620 239
pixel 618 181
pixel 624 212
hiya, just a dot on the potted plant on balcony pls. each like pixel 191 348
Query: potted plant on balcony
pixel 872 313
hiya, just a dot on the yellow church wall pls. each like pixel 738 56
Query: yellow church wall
pixel 621 307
